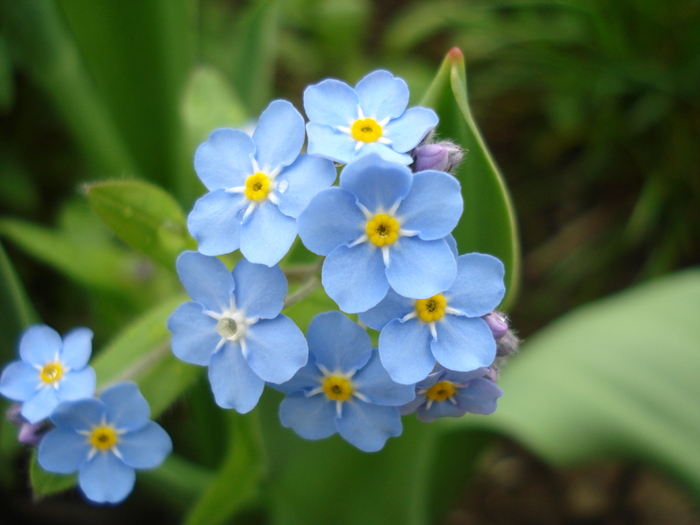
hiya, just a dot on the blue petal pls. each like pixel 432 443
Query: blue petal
pixel 215 221
pixel 224 161
pixel 145 448
pixel 79 415
pixel 330 143
pixel 393 306
pixel 433 206
pixel 194 334
pixel 354 277
pixel 376 183
pixel 62 451
pixel 410 408
pixel 19 381
pixel 276 349
pixel 463 343
pixel 452 243
pixel 267 234
pixel 233 382
pixel 478 288
pixel 40 405
pixel 382 95
pixel 373 382
pixel 260 289
pixel 331 102
pixel 420 269
pixel 331 219
pixel 106 479
pixel 306 379
pixel 77 384
pixel 279 135
pixel 462 377
pixel 386 152
pixel 439 409
pixel 337 343
pixel 77 347
pixel 369 426
pixel 405 351
pixel 479 397
pixel 127 409
pixel 301 181
pixel 311 417
pixel 206 279
pixel 409 129
pixel 39 345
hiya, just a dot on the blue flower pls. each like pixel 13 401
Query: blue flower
pixel 452 394
pixel 104 440
pixel 343 388
pixel 258 187
pixel 51 370
pixel 383 226
pixel 446 327
pixel 346 123
pixel 234 326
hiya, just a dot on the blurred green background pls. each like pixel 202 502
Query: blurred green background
pixel 591 109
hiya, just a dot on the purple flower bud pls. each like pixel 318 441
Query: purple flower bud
pixel 492 373
pixel 497 323
pixel 508 344
pixel 29 434
pixel 441 156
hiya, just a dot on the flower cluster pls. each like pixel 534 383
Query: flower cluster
pixel 384 231
pixel 102 439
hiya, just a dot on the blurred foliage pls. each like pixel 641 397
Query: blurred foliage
pixel 590 108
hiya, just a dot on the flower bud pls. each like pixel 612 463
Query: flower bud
pixel 441 156
pixel 29 434
pixel 508 344
pixel 498 323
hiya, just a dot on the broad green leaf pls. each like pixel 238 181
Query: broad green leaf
pixel 210 103
pixel 16 310
pixel 46 483
pixel 237 480
pixel 143 216
pixel 617 377
pixel 142 353
pixel 256 53
pixel 488 223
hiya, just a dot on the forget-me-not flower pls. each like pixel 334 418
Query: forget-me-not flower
pixel 446 327
pixel 51 370
pixel 234 326
pixel 384 226
pixel 452 394
pixel 104 440
pixel 343 388
pixel 346 123
pixel 258 187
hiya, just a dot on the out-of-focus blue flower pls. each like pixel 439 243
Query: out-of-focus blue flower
pixel 446 327
pixel 104 440
pixel 258 187
pixel 452 394
pixel 51 370
pixel 383 226
pixel 346 123
pixel 234 326
pixel 343 388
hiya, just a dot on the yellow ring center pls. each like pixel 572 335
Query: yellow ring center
pixel 382 230
pixel 366 130
pixel 431 309
pixel 51 373
pixel 337 388
pixel 257 187
pixel 103 437
pixel 441 391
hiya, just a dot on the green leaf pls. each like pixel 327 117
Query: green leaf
pixel 237 481
pixel 488 222
pixel 257 53
pixel 615 378
pixel 46 483
pixel 16 310
pixel 143 216
pixel 142 353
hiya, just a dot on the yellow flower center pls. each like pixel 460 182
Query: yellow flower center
pixel 366 130
pixel 431 309
pixel 441 391
pixel 257 187
pixel 382 230
pixel 103 437
pixel 337 388
pixel 51 373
